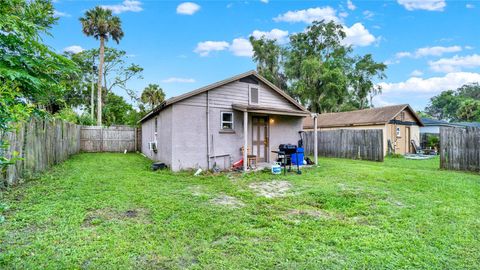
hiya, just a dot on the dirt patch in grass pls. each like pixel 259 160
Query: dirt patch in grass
pixel 227 201
pixel 197 191
pixel 99 216
pixel 316 213
pixel 271 189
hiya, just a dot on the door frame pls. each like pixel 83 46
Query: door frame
pixel 407 140
pixel 266 137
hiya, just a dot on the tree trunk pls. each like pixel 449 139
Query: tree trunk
pixel 99 82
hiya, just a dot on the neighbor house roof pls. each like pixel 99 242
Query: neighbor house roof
pixel 434 122
pixel 373 116
pixel 467 124
pixel 204 89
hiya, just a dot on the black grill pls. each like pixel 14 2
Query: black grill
pixel 287 149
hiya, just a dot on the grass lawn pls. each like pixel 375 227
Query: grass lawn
pixel 102 211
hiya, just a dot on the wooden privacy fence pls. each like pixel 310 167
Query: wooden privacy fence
pixel 108 139
pixel 460 148
pixel 39 144
pixel 366 144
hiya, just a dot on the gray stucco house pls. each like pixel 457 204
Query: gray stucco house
pixel 210 125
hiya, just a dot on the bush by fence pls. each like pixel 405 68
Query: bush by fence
pixel 366 144
pixel 460 148
pixel 39 145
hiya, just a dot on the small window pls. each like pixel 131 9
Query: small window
pixel 227 120
pixel 254 95
pixel 402 116
pixel 156 125
pixel 399 134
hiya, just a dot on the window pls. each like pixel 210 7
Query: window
pixel 226 120
pixel 398 132
pixel 156 125
pixel 253 95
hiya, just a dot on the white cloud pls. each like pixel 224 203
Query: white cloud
pixel 241 47
pixel 264 1
pixel 178 80
pixel 470 6
pixel 127 5
pixel 57 13
pixel 368 14
pixel 403 54
pixel 343 14
pixel 350 5
pixel 73 49
pixel 429 51
pixel 309 15
pixel 188 8
pixel 436 51
pixel 456 63
pixel 416 73
pixel 431 85
pixel 280 35
pixel 430 5
pixel 358 35
pixel 204 48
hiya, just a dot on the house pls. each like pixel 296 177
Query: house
pixel 431 127
pixel 209 126
pixel 400 124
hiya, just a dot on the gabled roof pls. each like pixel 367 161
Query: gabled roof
pixel 204 89
pixel 373 116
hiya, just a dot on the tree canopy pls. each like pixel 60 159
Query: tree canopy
pixel 461 104
pixel 318 69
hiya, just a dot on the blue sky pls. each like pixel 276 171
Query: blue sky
pixel 429 45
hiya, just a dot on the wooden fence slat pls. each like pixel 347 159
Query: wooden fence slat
pixel 107 139
pixel 460 148
pixel 347 143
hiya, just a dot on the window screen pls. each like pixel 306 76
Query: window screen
pixel 227 120
pixel 254 95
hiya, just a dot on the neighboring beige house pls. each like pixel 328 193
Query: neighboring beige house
pixel 210 125
pixel 400 124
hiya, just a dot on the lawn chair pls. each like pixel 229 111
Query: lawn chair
pixel 418 150
pixel 251 159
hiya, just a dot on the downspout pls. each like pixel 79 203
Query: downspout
pixel 208 133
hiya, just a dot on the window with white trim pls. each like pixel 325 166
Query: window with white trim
pixel 226 120
pixel 399 134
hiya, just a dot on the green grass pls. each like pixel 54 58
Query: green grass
pixel 100 211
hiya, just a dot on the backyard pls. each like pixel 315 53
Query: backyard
pixel 110 210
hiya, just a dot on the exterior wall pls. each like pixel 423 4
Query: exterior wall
pixel 163 137
pixel 402 143
pixel 283 129
pixel 189 126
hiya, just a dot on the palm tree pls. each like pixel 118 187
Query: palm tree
pixel 153 95
pixel 101 24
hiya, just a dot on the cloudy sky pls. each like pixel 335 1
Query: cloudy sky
pixel 429 45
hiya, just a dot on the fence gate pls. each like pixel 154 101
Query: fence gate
pixel 108 139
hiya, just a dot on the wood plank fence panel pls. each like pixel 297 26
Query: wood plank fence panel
pixel 108 139
pixel 39 144
pixel 460 148
pixel 347 143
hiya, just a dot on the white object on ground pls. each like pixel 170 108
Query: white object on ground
pixel 199 171
pixel 125 151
